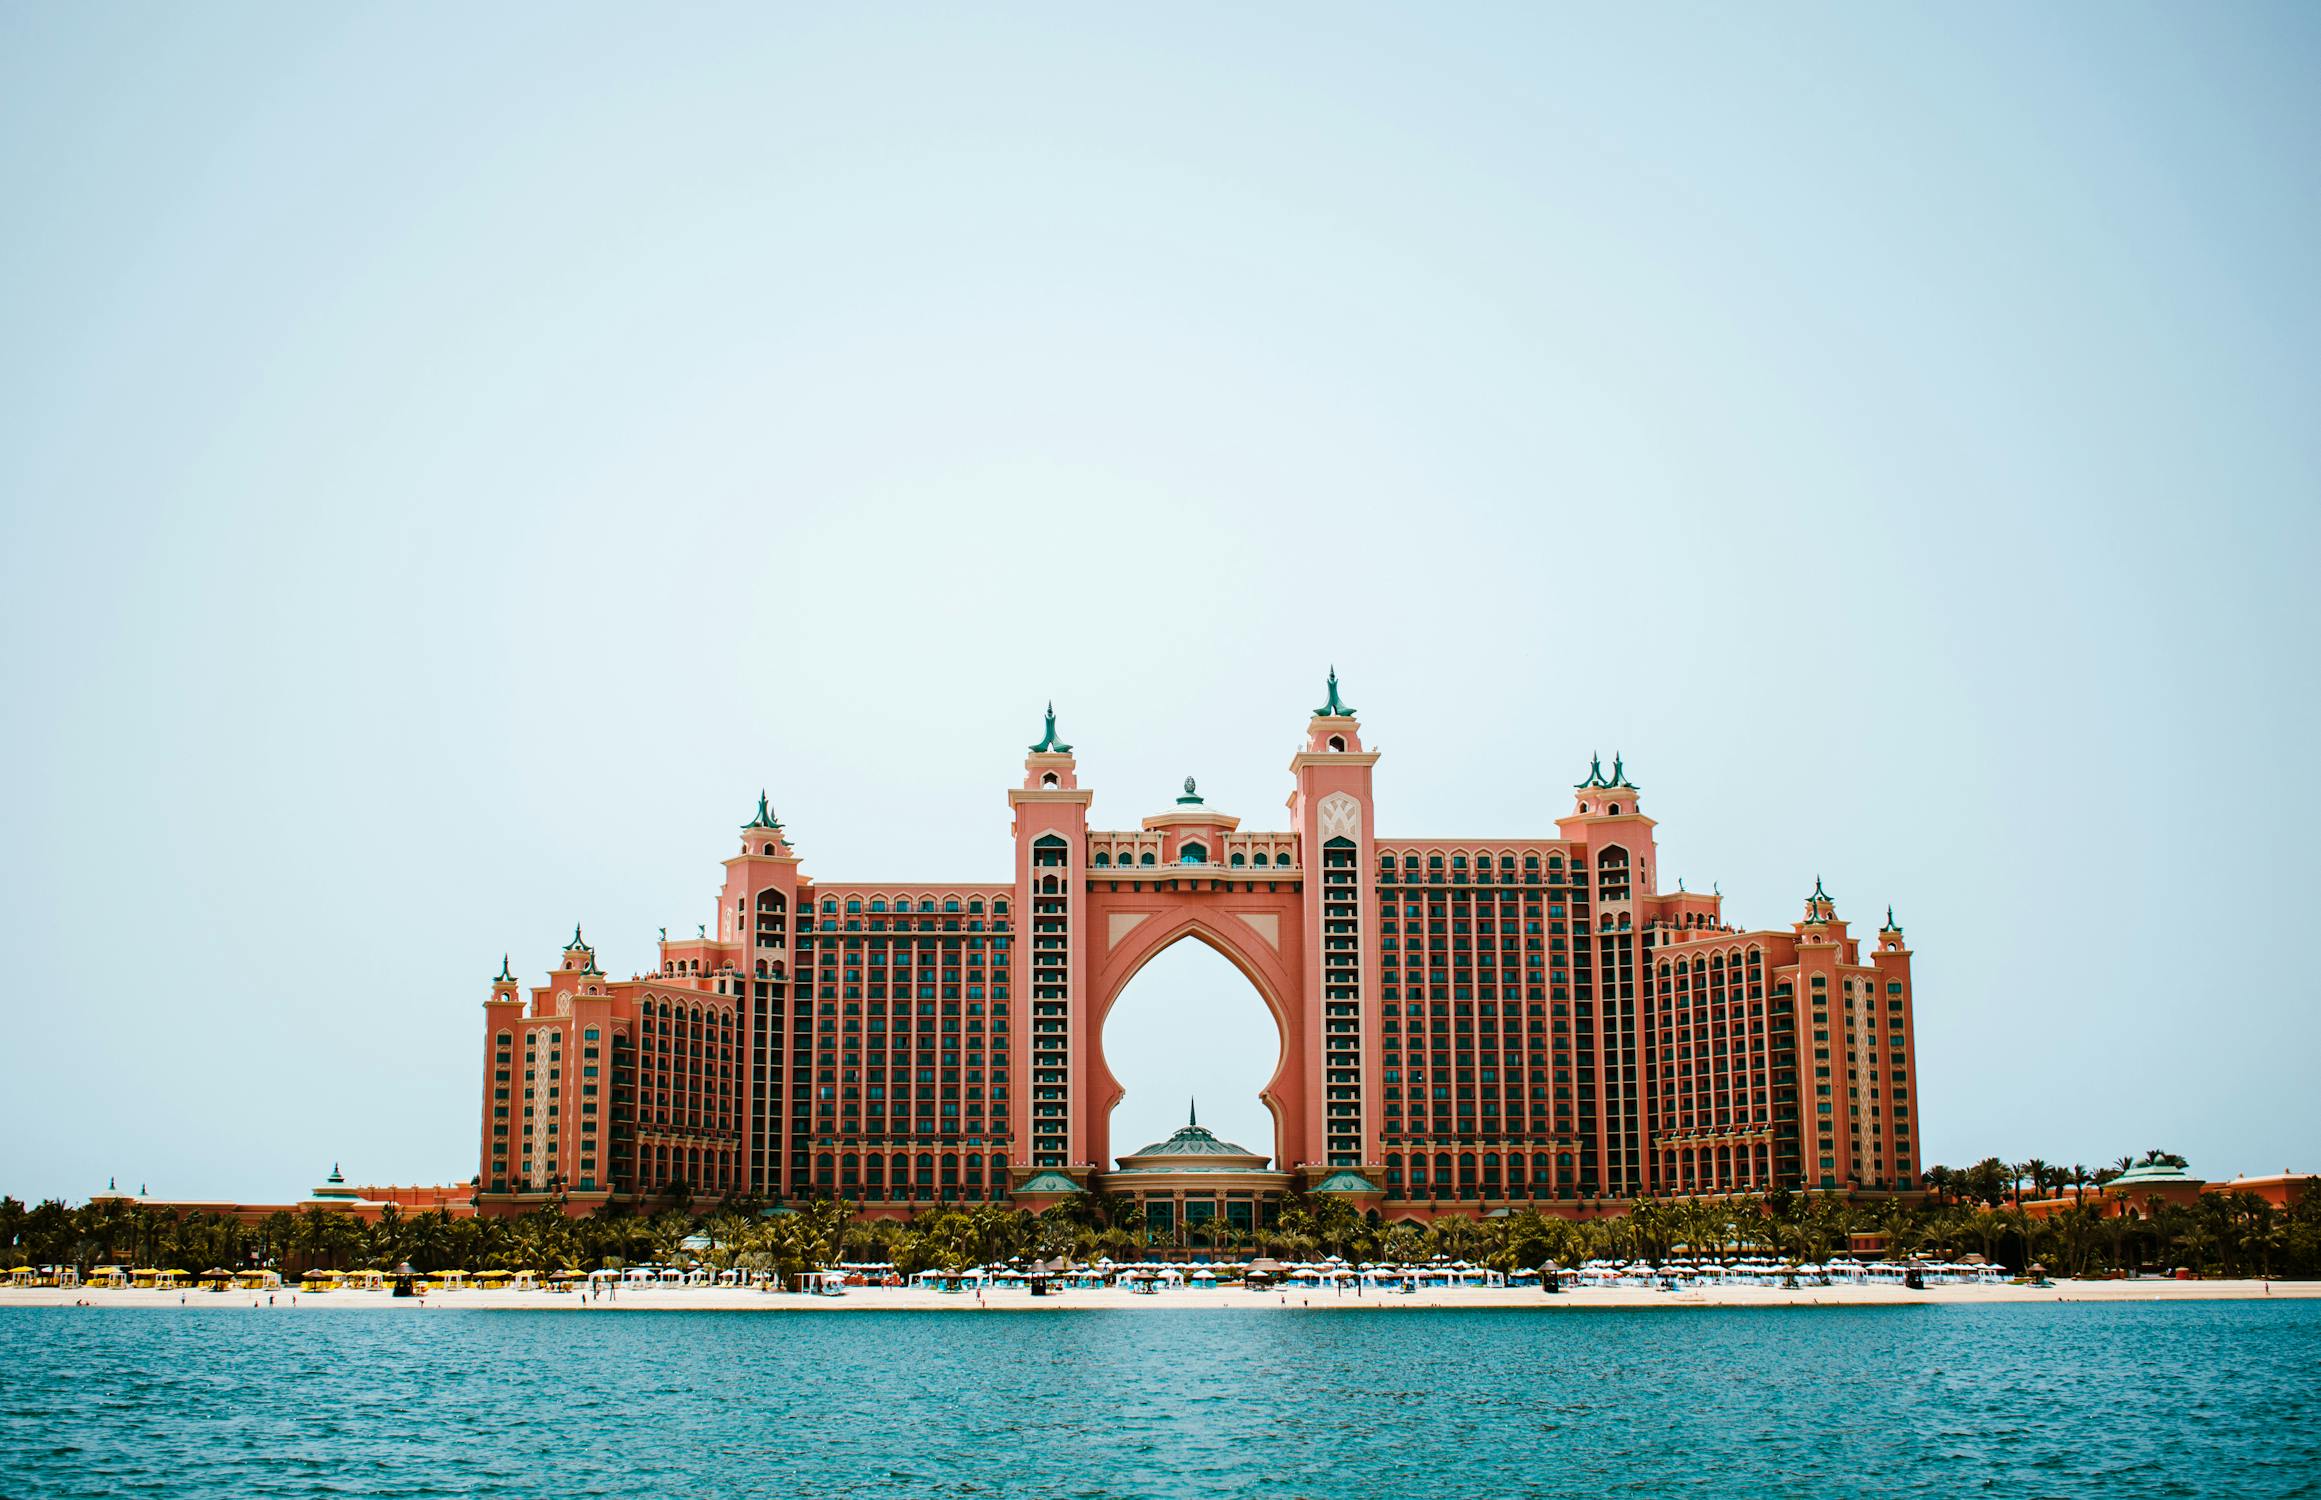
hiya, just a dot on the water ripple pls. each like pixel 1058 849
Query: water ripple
pixel 2026 1400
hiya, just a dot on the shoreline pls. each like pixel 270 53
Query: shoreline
pixel 900 1299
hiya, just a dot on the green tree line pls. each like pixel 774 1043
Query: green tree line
pixel 1975 1210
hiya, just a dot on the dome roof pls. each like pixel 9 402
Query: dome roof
pixel 1193 1147
pixel 2153 1173
pixel 1191 1140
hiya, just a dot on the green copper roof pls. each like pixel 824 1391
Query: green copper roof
pixel 1049 744
pixel 2152 1174
pixel 1344 1181
pixel 1192 1140
pixel 1334 709
pixel 1595 775
pixel 1191 798
pixel 1051 1182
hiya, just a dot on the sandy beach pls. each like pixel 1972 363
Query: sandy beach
pixel 900 1299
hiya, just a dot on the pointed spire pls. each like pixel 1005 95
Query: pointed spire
pixel 576 943
pixel 504 977
pixel 1620 774
pixel 1595 774
pixel 1891 924
pixel 1334 708
pixel 1192 1114
pixel 1049 744
pixel 1818 893
pixel 765 815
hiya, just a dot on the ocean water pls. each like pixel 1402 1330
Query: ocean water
pixel 2124 1400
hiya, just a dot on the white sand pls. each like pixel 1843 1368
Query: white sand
pixel 859 1299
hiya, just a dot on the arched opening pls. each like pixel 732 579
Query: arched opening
pixel 1191 1026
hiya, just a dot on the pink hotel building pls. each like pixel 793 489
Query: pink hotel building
pixel 1466 1025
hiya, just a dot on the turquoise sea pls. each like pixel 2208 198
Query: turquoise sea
pixel 2109 1400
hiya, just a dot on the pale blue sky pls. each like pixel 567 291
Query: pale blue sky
pixel 452 459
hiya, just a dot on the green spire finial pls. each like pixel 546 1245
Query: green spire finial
pixel 1192 1114
pixel 1595 774
pixel 1049 744
pixel 765 815
pixel 1818 893
pixel 1334 709
pixel 1891 924
pixel 1190 797
pixel 1620 774
pixel 504 977
pixel 576 943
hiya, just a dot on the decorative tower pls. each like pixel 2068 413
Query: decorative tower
pixel 502 1013
pixel 579 958
pixel 1331 812
pixel 759 913
pixel 1897 1004
pixel 1612 857
pixel 1051 1032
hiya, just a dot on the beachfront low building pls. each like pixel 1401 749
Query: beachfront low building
pixel 1468 1024
pixel 334 1194
pixel 1187 1187
pixel 2143 1189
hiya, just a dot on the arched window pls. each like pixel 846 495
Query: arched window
pixel 1048 781
pixel 1103 860
pixel 1193 854
pixel 1338 743
pixel 1146 858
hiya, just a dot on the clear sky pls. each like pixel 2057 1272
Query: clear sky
pixel 452 458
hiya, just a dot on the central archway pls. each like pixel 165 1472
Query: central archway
pixel 1133 928
pixel 1189 1025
